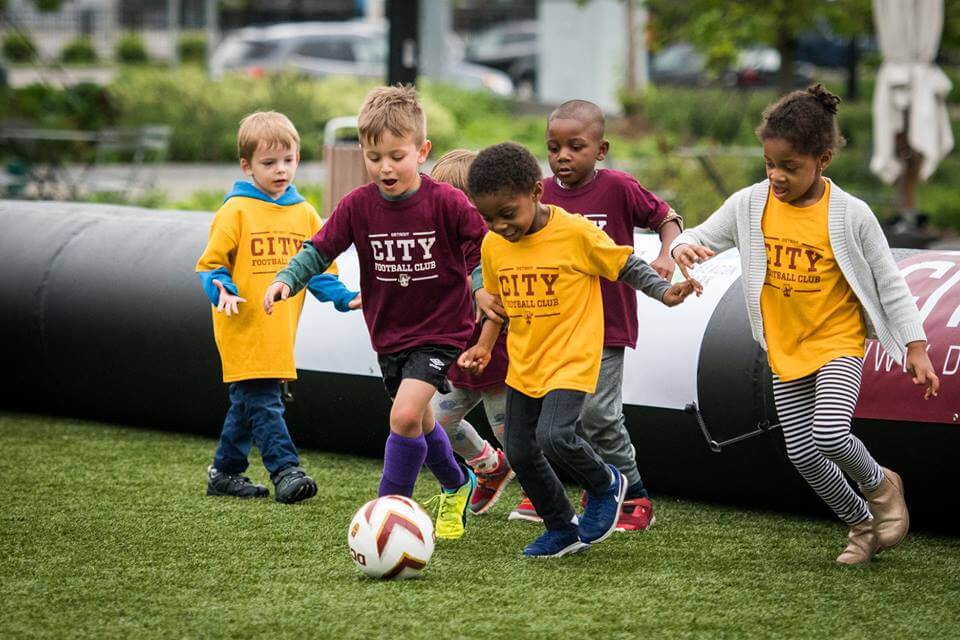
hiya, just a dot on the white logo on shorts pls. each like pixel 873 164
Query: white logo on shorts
pixel 436 363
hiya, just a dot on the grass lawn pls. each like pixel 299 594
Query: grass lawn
pixel 106 532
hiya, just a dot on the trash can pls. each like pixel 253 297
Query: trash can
pixel 344 161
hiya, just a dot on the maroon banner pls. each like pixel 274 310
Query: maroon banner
pixel 887 392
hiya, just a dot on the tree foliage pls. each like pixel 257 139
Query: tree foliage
pixel 720 29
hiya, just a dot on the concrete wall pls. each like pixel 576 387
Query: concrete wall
pixel 583 50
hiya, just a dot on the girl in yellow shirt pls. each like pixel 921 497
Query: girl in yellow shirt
pixel 545 265
pixel 815 263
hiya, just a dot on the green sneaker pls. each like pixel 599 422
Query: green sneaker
pixel 452 507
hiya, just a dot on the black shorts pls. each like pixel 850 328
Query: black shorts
pixel 428 363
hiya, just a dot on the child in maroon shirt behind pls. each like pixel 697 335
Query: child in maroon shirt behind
pixel 617 203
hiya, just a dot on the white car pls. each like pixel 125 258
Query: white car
pixel 320 49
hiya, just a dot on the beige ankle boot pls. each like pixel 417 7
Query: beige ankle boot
pixel 862 544
pixel 891 521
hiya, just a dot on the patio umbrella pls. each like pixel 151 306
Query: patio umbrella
pixel 911 127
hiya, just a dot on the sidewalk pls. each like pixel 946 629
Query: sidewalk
pixel 179 180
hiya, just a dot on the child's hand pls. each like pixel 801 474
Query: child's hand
pixel 688 255
pixel 678 293
pixel 921 369
pixel 665 266
pixel 277 291
pixel 228 302
pixel 356 303
pixel 489 305
pixel 474 360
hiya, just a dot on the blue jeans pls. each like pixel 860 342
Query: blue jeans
pixel 542 428
pixel 255 416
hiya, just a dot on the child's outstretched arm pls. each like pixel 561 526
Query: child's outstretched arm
pixel 716 233
pixel 327 287
pixel 296 275
pixel 920 368
pixel 639 275
pixel 688 255
pixel 213 267
pixel 227 301
pixel 668 232
pixel 475 359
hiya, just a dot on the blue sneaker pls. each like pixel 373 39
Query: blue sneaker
pixel 599 518
pixel 554 544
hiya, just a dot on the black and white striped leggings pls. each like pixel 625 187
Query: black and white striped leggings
pixel 815 414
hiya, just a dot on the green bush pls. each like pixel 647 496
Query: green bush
pixel 18 48
pixel 130 49
pixel 192 47
pixel 204 115
pixel 81 106
pixel 700 115
pixel 79 51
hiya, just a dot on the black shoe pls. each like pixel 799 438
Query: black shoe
pixel 293 485
pixel 233 484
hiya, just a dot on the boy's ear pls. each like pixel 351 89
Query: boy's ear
pixel 424 151
pixel 537 191
pixel 603 150
pixel 245 167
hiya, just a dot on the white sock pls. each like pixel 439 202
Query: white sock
pixel 487 460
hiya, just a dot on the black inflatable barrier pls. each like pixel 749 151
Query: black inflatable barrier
pixel 103 318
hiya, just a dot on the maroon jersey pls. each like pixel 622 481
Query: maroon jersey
pixel 415 256
pixel 616 203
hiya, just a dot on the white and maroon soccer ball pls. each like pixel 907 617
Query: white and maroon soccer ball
pixel 391 538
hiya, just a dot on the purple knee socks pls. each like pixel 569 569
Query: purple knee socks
pixel 402 459
pixel 440 459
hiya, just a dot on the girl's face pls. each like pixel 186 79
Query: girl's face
pixel 794 177
pixel 512 215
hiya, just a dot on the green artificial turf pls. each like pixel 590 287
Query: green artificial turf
pixel 106 532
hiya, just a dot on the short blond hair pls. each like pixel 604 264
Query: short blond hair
pixel 453 167
pixel 394 109
pixel 269 128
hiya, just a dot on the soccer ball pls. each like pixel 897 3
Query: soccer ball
pixel 391 538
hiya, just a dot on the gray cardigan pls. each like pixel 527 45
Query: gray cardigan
pixel 861 251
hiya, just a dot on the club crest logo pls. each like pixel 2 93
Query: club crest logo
pixel 787 290
pixel 404 280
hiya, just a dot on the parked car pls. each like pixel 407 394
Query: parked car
pixel 321 49
pixel 760 67
pixel 681 64
pixel 510 47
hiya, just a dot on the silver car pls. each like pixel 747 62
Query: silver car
pixel 320 49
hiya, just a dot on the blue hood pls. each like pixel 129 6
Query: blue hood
pixel 245 189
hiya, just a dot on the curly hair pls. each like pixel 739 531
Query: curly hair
pixel 806 118
pixel 507 168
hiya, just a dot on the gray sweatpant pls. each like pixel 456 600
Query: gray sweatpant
pixel 601 420
pixel 451 408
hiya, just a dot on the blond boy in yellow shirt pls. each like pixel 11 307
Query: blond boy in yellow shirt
pixel 545 265
pixel 256 231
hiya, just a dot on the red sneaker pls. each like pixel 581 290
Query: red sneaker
pixel 636 515
pixel 490 486
pixel 525 511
